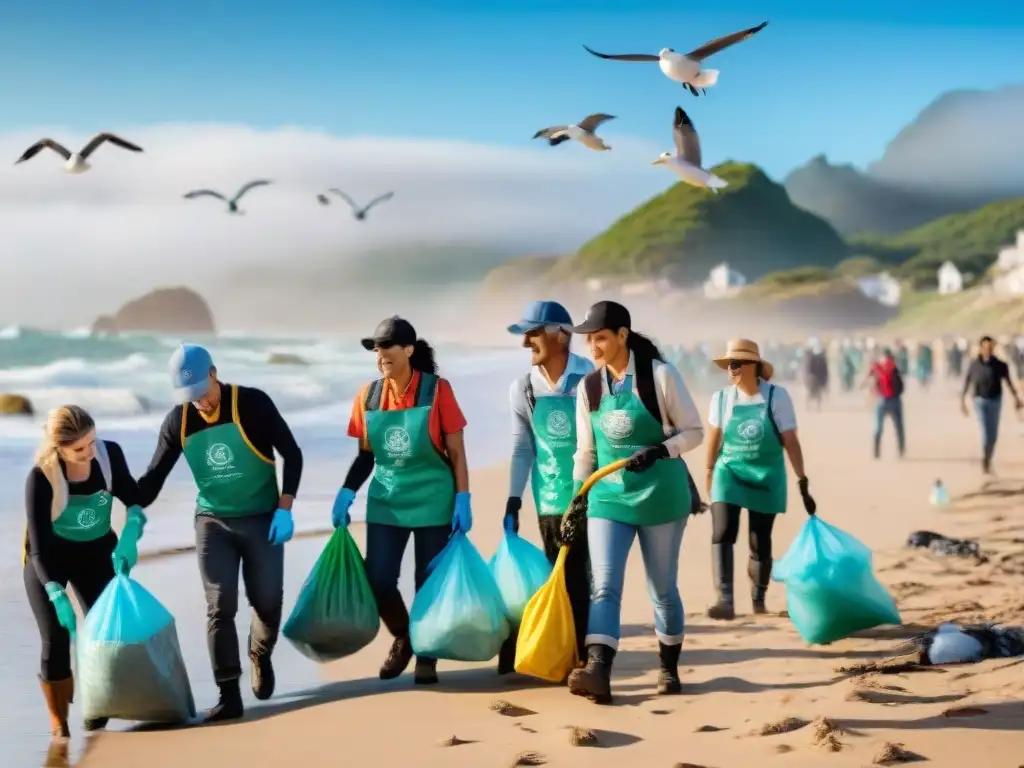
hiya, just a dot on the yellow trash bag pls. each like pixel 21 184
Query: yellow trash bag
pixel 546 647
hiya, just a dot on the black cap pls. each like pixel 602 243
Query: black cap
pixel 605 314
pixel 392 331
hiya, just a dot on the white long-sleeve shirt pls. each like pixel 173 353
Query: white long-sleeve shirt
pixel 680 418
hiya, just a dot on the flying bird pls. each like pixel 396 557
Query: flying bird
pixel 686 162
pixel 685 68
pixel 583 132
pixel 359 213
pixel 76 161
pixel 233 202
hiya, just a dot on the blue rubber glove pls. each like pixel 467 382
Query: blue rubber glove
pixel 62 605
pixel 126 553
pixel 281 527
pixel 339 514
pixel 462 520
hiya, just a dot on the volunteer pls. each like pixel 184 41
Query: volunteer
pixel 985 376
pixel 69 540
pixel 229 435
pixel 543 444
pixel 409 428
pixel 635 407
pixel 887 381
pixel 752 427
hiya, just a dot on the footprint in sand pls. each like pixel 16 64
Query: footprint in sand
pixel 785 725
pixel 710 729
pixel 454 741
pixel 964 712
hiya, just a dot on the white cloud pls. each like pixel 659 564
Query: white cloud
pixel 73 245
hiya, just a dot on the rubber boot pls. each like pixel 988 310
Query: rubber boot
pixel 425 672
pixel 261 675
pixel 507 654
pixel 95 724
pixel 595 680
pixel 58 695
pixel 760 573
pixel 722 564
pixel 395 616
pixel 229 705
pixel 668 675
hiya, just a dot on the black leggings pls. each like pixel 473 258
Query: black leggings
pixel 725 520
pixel 87 567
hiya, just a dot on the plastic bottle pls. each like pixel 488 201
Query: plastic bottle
pixel 940 495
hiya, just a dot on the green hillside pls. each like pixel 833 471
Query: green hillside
pixel 685 231
pixel 970 240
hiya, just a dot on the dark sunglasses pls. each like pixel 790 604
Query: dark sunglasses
pixel 735 365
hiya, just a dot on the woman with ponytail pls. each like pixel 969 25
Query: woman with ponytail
pixel 69 540
pixel 634 407
pixel 409 428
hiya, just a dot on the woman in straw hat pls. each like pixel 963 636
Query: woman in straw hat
pixel 752 425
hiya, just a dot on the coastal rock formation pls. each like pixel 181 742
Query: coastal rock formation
pixel 15 405
pixel 285 358
pixel 164 310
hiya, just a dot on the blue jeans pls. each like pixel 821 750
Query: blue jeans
pixel 988 410
pixel 893 408
pixel 610 543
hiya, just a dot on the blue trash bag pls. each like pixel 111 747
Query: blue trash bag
pixel 520 569
pixel 831 591
pixel 458 613
pixel 129 662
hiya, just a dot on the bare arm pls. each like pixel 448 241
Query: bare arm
pixel 455 446
pixel 791 443
pixel 714 443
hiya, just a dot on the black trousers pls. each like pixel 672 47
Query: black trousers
pixel 725 519
pixel 224 546
pixel 86 566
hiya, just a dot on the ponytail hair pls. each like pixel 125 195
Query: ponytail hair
pixel 422 358
pixel 762 373
pixel 643 348
pixel 64 426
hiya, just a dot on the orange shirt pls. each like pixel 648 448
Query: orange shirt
pixel 445 417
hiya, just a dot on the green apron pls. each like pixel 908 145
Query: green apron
pixel 85 518
pixel 554 435
pixel 413 485
pixel 751 468
pixel 622 426
pixel 234 479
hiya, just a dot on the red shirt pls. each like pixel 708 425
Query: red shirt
pixel 884 372
pixel 445 416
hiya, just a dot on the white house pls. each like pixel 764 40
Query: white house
pixel 723 281
pixel 883 288
pixel 1012 256
pixel 951 279
pixel 1010 267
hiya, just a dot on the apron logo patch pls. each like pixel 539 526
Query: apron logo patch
pixel 385 477
pixel 87 518
pixel 397 441
pixel 617 425
pixel 559 425
pixel 751 431
pixel 219 455
pixel 102 501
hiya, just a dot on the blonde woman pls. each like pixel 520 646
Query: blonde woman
pixel 68 540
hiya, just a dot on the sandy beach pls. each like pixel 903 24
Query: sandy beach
pixel 742 679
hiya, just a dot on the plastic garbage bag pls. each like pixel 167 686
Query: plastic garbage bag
pixel 520 569
pixel 458 613
pixel 831 591
pixel 546 647
pixel 335 614
pixel 129 662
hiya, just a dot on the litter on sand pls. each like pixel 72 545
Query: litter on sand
pixel 944 545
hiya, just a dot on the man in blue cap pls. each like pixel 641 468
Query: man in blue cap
pixel 543 444
pixel 242 519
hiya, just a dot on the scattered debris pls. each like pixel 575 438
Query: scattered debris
pixel 785 725
pixel 825 733
pixel 582 737
pixel 529 758
pixel 893 754
pixel 938 544
pixel 710 729
pixel 453 741
pixel 508 709
pixel 964 712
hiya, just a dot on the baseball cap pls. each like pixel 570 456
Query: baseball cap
pixel 540 313
pixel 190 367
pixel 605 314
pixel 392 331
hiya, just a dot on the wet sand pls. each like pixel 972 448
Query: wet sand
pixel 741 679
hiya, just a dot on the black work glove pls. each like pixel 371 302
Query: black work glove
pixel 574 521
pixel 810 505
pixel 512 507
pixel 644 459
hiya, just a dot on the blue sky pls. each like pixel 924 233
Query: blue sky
pixel 839 77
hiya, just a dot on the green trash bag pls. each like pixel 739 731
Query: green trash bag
pixel 831 591
pixel 335 615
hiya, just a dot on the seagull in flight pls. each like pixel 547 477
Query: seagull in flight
pixel 76 161
pixel 359 213
pixel 685 68
pixel 686 162
pixel 232 202
pixel 583 132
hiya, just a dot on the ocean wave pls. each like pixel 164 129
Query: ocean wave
pixel 73 371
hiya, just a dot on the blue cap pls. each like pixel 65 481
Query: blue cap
pixel 190 367
pixel 541 313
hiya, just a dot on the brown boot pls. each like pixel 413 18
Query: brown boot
pixel 58 695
